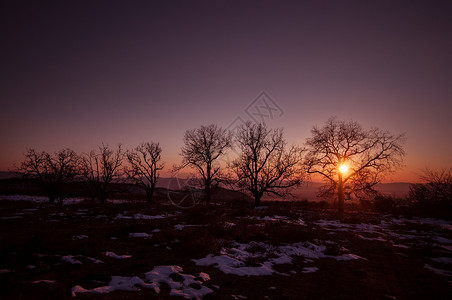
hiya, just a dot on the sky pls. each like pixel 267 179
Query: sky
pixel 80 73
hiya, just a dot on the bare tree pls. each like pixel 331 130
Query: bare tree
pixel 101 167
pixel 264 165
pixel 436 191
pixel 145 163
pixel 352 160
pixel 202 148
pixel 51 171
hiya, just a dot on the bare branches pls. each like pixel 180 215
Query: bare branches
pixel 368 154
pixel 202 147
pixel 145 163
pixel 51 170
pixel 101 167
pixel 264 165
pixel 435 191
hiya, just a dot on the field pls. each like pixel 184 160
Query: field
pixel 283 250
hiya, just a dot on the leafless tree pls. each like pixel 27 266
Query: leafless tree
pixel 202 148
pixel 101 167
pixel 144 166
pixel 436 189
pixel 351 159
pixel 51 171
pixel 264 164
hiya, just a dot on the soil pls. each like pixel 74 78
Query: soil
pixel 34 238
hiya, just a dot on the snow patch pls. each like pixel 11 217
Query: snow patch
pixel 79 237
pixel 181 226
pixel 114 255
pixel 233 260
pixel 310 270
pixel 139 235
pixel 438 271
pixel 44 281
pixel 70 259
pixel 143 217
pixel 189 287
pixel 443 260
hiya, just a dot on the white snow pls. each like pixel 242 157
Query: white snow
pixel 44 281
pixel 143 217
pixel 233 260
pixel 371 239
pixel 153 278
pixel 181 226
pixel 139 235
pixel 11 217
pixel 310 270
pixel 443 260
pixel 146 217
pixel 229 265
pixel 96 261
pixel 39 199
pixel 114 255
pixel 204 276
pixel 80 237
pixel 122 217
pixel 275 218
pixel 70 259
pixel 238 297
pixel 442 240
pixel 438 271
pixel 401 246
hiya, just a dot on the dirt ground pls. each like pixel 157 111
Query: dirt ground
pixel 47 250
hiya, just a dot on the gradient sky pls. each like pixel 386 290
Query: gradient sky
pixel 79 73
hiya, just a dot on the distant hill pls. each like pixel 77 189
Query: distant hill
pixel 308 191
pixel 9 174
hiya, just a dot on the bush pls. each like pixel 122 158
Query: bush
pixel 384 204
pixel 434 196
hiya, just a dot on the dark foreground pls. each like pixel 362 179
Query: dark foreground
pixel 282 251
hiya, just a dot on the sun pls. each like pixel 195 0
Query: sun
pixel 343 168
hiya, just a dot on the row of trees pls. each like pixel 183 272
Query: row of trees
pixel 351 159
pixel 99 167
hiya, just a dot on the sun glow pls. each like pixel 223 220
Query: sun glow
pixel 343 168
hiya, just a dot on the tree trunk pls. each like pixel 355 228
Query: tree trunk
pixel 340 198
pixel 257 200
pixel 149 194
pixel 207 195
pixel 102 196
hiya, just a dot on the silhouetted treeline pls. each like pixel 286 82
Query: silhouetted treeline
pixel 254 159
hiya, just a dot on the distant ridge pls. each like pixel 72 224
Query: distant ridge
pixel 308 191
pixel 9 174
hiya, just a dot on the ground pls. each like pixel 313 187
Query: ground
pixel 283 250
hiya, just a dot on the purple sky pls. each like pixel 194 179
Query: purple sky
pixel 79 73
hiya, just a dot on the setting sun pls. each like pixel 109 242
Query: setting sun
pixel 343 168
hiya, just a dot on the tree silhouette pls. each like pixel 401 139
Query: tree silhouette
pixel 145 163
pixel 101 167
pixel 51 171
pixel 202 148
pixel 435 192
pixel 264 165
pixel 351 159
